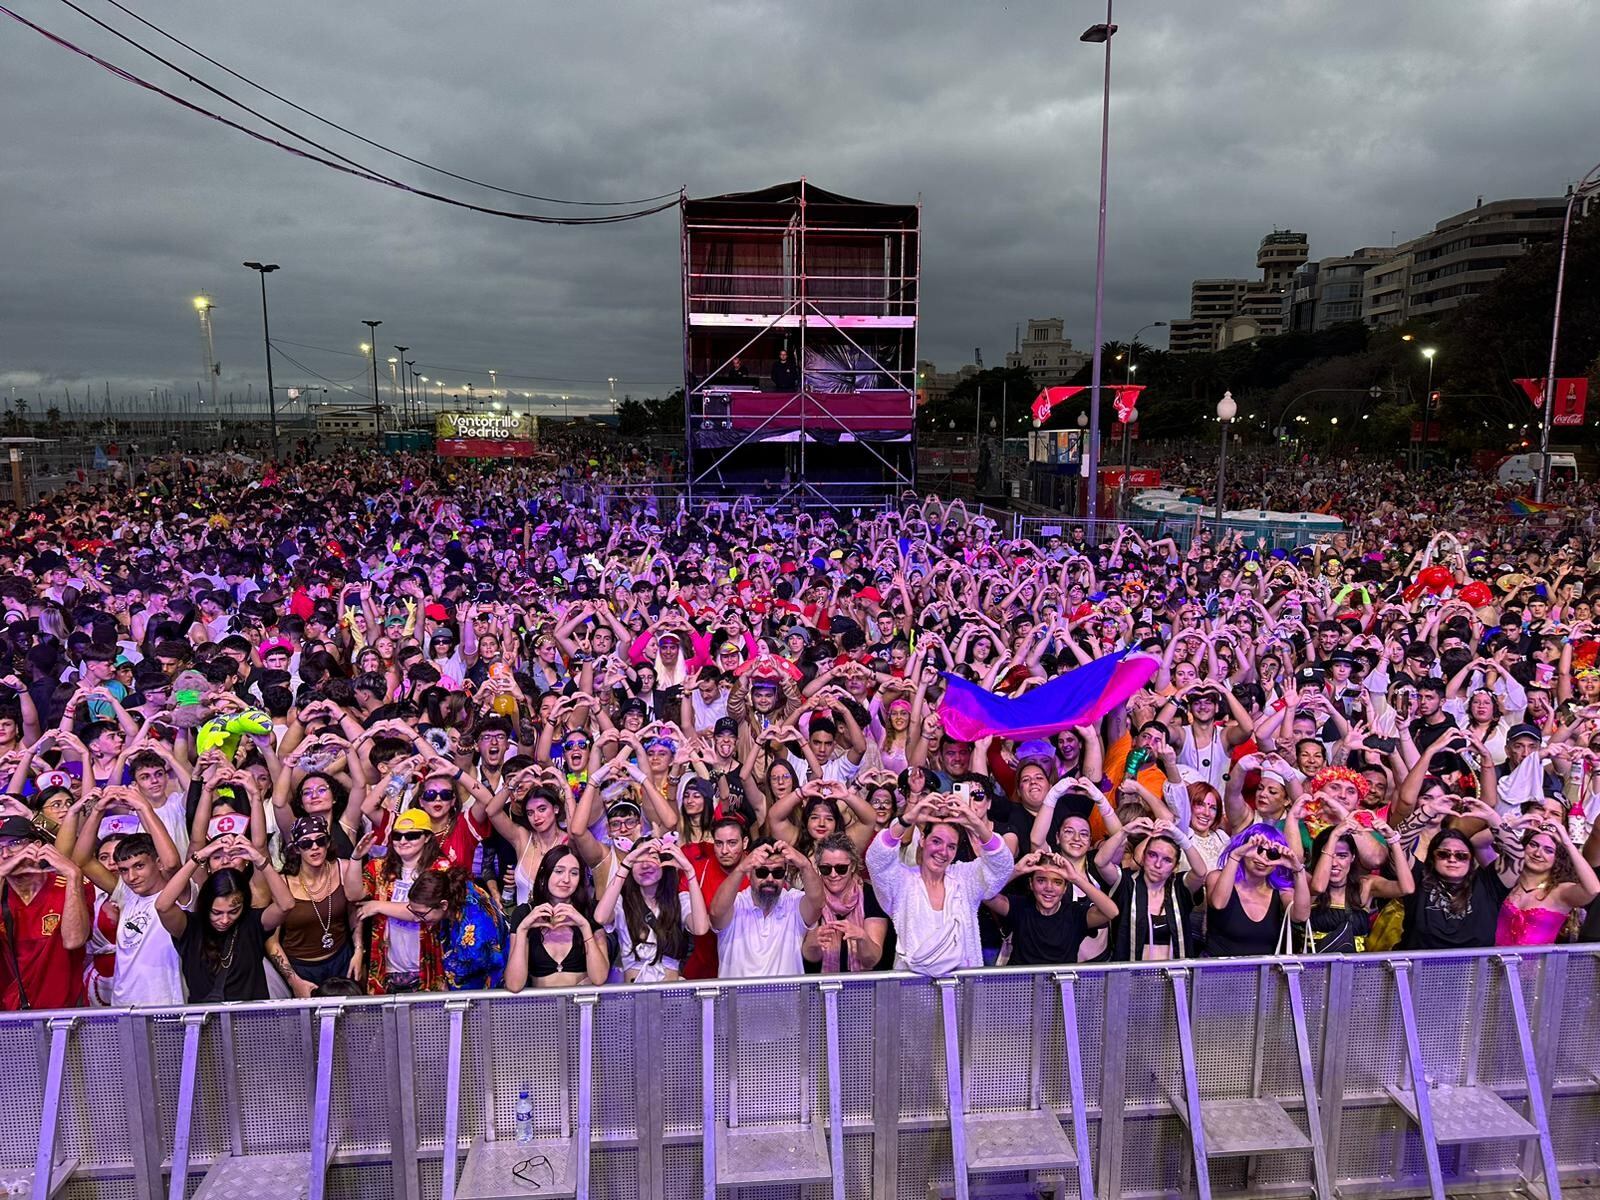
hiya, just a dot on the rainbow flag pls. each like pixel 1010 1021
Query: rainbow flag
pixel 1082 695
pixel 1523 507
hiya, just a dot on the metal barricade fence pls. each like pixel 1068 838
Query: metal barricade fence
pixel 1211 1078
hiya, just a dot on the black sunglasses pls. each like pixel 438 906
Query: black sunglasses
pixel 413 836
pixel 768 873
pixel 436 795
pixel 311 843
pixel 834 868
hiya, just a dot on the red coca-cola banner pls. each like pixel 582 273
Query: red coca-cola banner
pixel 1571 398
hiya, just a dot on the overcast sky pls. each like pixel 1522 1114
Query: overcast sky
pixel 1347 120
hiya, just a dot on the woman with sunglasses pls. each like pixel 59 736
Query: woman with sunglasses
pixel 1457 901
pixel 651 916
pixel 297 794
pixel 554 939
pixel 1258 888
pixel 466 924
pixel 401 954
pixel 853 928
pixel 315 942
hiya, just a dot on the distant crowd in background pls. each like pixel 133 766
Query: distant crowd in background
pixel 387 725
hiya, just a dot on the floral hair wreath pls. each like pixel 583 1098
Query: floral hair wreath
pixel 1328 775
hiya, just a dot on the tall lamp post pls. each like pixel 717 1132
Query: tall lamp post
pixel 377 407
pixel 203 306
pixel 1587 184
pixel 1427 407
pixel 1083 438
pixel 265 269
pixel 1227 410
pixel 405 392
pixel 1099 34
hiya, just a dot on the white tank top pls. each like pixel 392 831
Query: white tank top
pixel 1210 762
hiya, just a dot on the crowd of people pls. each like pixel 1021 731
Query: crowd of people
pixel 391 725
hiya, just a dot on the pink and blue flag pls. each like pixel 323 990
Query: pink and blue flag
pixel 1082 695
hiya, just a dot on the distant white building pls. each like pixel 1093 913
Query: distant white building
pixel 1047 352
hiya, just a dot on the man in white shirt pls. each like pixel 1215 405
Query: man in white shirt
pixel 835 747
pixel 760 928
pixel 148 969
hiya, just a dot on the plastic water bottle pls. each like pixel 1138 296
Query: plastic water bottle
pixel 524 1117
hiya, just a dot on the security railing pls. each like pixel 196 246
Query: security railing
pixel 1323 1076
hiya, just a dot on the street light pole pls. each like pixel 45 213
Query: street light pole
pixel 1099 33
pixel 377 408
pixel 1227 410
pixel 1427 408
pixel 264 269
pixel 1588 183
pixel 405 392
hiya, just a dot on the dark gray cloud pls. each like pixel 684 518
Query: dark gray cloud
pixel 1347 120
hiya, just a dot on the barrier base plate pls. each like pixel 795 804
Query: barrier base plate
pixel 748 1154
pixel 1467 1114
pixel 248 1176
pixel 1017 1141
pixel 20 1183
pixel 488 1173
pixel 1235 1128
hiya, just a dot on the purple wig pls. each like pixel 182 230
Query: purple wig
pixel 1281 877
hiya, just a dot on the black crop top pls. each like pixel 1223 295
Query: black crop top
pixel 542 966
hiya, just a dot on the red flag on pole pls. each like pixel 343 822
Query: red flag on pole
pixel 1049 397
pixel 1126 397
pixel 1571 398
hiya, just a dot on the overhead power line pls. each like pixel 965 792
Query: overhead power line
pixel 480 371
pixel 245 79
pixel 355 169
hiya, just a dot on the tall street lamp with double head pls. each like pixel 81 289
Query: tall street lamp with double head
pixel 1101 34
pixel 377 408
pixel 1227 410
pixel 405 389
pixel 1427 406
pixel 1586 187
pixel 264 269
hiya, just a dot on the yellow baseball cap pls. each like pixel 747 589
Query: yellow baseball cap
pixel 413 820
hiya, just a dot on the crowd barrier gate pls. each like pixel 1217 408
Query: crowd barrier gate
pixel 1380 1076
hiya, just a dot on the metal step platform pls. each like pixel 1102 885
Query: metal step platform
pixel 745 1155
pixel 1248 1126
pixel 1234 1128
pixel 763 1154
pixel 1023 1141
pixel 1462 1115
pixel 556 1167
pixel 491 1170
pixel 268 1176
pixel 293 1176
pixel 1031 1140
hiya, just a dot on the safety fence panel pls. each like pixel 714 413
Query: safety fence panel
pixel 1350 1076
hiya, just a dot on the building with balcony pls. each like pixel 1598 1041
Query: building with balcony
pixel 1466 252
pixel 1225 312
